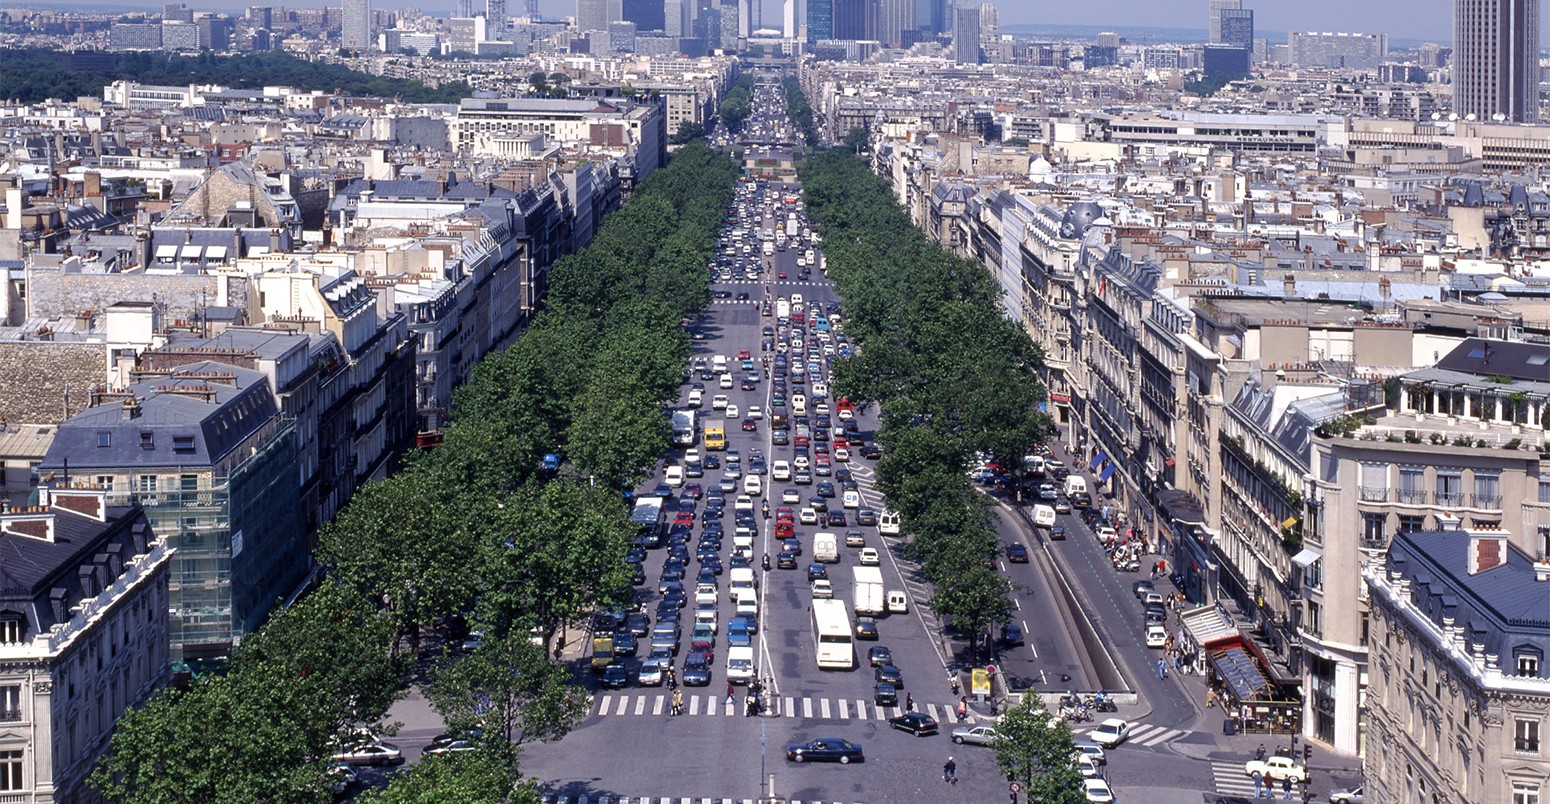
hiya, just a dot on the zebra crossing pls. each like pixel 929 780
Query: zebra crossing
pixel 659 704
pixel 1228 778
pixel 605 798
pixel 1145 735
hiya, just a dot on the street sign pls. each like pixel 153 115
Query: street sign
pixel 1015 787
pixel 979 682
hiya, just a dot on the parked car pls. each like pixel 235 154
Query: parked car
pixel 370 753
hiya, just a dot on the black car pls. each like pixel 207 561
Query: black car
pixel 825 749
pixel 615 677
pixel 625 644
pixel 1082 500
pixel 1017 553
pixel 793 544
pixel 890 674
pixel 1057 532
pixel 817 572
pixel 1140 588
pixel 866 629
pixel 919 724
pixel 886 695
pixel 1012 634
pixel 787 560
pixel 879 655
pixel 1155 613
pixel 697 670
pixel 637 623
pixel 837 519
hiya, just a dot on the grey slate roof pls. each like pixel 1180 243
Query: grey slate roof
pixel 32 569
pixel 1504 607
pixel 1515 359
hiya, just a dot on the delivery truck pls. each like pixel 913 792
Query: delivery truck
pixel 869 595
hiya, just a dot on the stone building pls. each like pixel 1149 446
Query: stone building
pixel 1458 705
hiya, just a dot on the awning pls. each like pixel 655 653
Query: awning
pixel 1210 627
pixel 1239 672
pixel 1108 471
pixel 166 252
pixel 1306 557
pixel 192 253
pixel 1097 459
pixel 215 253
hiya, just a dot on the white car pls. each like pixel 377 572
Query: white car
pixel 674 476
pixel 725 381
pixel 650 674
pixel 755 412
pixel 696 398
pixel 370 753
pixel 1156 636
pixel 1097 791
pixel 731 411
pixel 822 590
pixel 718 402
pixel 1111 732
pixel 807 516
pixel 868 557
pixel 791 496
pixel 781 470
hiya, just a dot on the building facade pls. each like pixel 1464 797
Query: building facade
pixel 355 25
pixel 1496 59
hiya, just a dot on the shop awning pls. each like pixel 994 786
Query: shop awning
pixel 1306 557
pixel 1210 627
pixel 1239 672
pixel 1108 471
pixel 1097 459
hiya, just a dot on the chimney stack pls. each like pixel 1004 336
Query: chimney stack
pixel 1289 286
pixel 1487 549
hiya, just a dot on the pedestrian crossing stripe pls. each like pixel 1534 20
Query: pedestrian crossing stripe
pixel 1147 735
pixel 698 705
pixel 1229 779
pixel 612 799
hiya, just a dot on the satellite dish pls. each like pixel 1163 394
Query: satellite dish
pixel 1453 116
pixel 1470 117
pixel 1498 117
pixel 1436 115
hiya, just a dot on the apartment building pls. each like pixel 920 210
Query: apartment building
pixel 636 132
pixel 83 636
pixel 1456 444
pixel 1458 706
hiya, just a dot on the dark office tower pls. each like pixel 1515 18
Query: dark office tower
pixel 214 33
pixel 648 15
pixel 820 20
pixel 966 34
pixel 261 17
pixel 1238 28
pixel 1496 59
pixel 854 19
pixel 1214 24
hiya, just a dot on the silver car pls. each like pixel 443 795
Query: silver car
pixel 975 735
pixel 650 674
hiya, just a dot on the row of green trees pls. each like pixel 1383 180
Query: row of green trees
pixel 954 377
pixel 472 532
pixel 737 103
pixel 798 110
pixel 30 75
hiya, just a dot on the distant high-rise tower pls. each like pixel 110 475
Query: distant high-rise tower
pixel 793 19
pixel 893 19
pixel 495 18
pixel 966 34
pixel 854 19
pixel 355 25
pixel 594 15
pixel 820 20
pixel 1496 59
pixel 1237 28
pixel 1214 28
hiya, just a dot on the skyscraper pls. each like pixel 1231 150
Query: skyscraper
pixel 894 18
pixel 355 25
pixel 1496 59
pixel 966 34
pixel 1237 28
pixel 648 15
pixel 495 18
pixel 594 15
pixel 854 19
pixel 793 19
pixel 820 20
pixel 1214 28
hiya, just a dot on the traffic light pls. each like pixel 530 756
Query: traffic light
pixel 1307 754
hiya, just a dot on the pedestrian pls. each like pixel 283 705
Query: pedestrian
pixel 950 771
pixel 730 698
pixel 1162 669
pixel 1211 699
pixel 909 702
pixel 1154 570
pixel 1260 754
pixel 1259 785
pixel 963 711
pixel 678 702
pixel 1286 788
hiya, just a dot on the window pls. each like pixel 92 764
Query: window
pixel 1450 487
pixel 1375 482
pixel 10 703
pixel 10 770
pixel 1412 485
pixel 1527 660
pixel 147 484
pixel 1373 526
pixel 1488 489
pixel 105 482
pixel 147 440
pixel 189 482
pixel 1526 735
pixel 1411 523
pixel 1544 491
pixel 182 443
pixel 104 439
pixel 12 628
pixel 1525 793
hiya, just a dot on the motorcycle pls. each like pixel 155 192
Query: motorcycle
pixel 1128 565
pixel 1101 703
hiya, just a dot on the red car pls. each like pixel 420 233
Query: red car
pixel 749 425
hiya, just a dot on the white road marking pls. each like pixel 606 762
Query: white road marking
pixel 807 707
pixel 640 704
pixel 823 706
pixel 861 710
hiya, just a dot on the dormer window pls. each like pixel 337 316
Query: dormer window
pixel 1528 660
pixel 12 628
pixel 147 440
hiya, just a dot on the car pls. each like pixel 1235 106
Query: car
pixel 866 629
pixel 791 496
pixel 1156 636
pixel 1155 613
pixel 650 675
pixel 1275 768
pixel 868 557
pixel 793 544
pixel 1111 732
pixel 1062 506
pixel 626 644
pixel 826 749
pixel 615 677
pixel 1092 751
pixel 817 572
pixel 732 411
pixel 1017 553
pixel 890 674
pixel 808 516
pixel 1097 791
pixel 866 517
pixel 885 694
pixel 919 724
pixel 975 735
pixel 879 655
pixel 1011 634
pixel 1350 795
pixel 823 590
pixel 749 425
pixel 718 402
pixel 787 560
pixel 855 538
pixel 340 777
pixel 371 752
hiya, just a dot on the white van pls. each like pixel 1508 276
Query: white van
pixel 740 665
pixel 747 605
pixel 799 404
pixel 851 499
pixel 1075 484
pixel 826 548
pixel 675 476
pixel 718 364
pixel 888 523
pixel 898 603
pixel 753 486
pixel 1044 516
pixel 742 580
pixel 781 470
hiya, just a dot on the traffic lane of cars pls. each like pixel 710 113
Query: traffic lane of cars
pixel 1050 645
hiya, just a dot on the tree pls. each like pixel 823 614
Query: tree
pixel 484 776
pixel 507 687
pixel 1035 749
pixel 687 130
pixel 856 139
pixel 614 437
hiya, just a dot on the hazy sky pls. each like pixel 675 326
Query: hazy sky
pixel 1408 19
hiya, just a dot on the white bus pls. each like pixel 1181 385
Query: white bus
pixel 831 635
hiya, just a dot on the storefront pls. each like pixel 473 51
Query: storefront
pixel 1256 697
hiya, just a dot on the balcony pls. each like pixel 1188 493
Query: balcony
pixel 1410 497
pixel 11 716
pixel 1454 499
pixel 1487 501
pixel 1375 494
